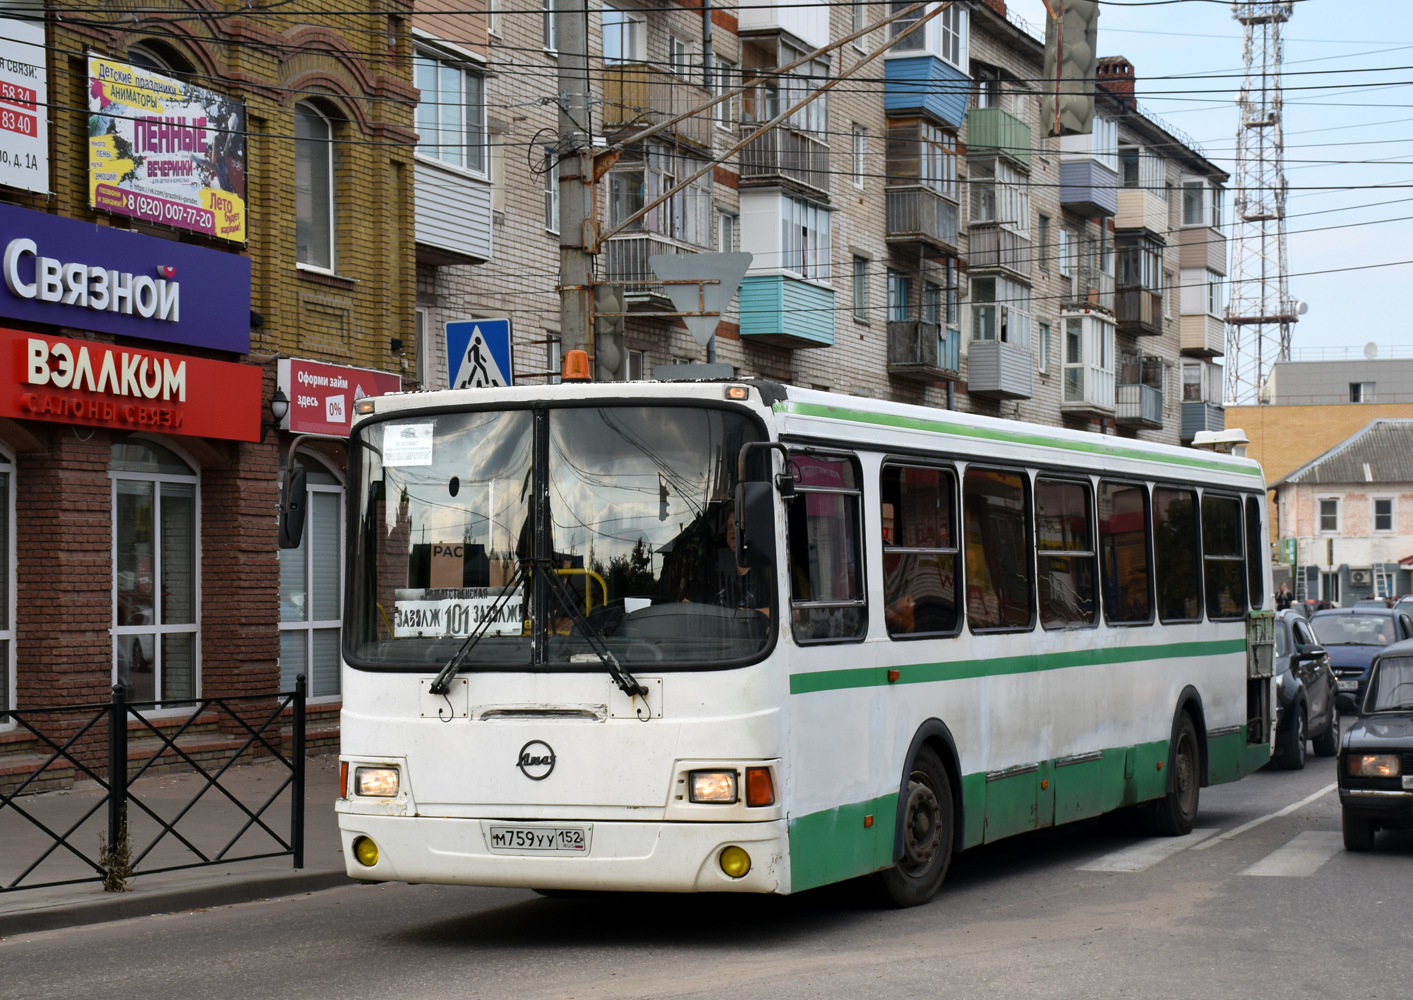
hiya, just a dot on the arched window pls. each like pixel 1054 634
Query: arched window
pixel 159 58
pixel 313 187
pixel 311 588
pixel 156 578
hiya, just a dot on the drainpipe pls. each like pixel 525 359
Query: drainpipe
pixel 951 397
pixel 707 83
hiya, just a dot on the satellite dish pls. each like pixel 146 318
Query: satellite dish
pixel 1301 308
pixel 1371 350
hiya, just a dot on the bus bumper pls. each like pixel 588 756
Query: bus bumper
pixel 625 857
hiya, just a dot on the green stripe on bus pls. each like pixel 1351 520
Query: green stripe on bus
pixel 1014 437
pixel 833 844
pixel 927 673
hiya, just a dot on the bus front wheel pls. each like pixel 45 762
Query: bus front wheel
pixel 927 835
pixel 1175 813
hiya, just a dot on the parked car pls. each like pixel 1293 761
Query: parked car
pixel 1375 602
pixel 1306 693
pixel 1376 756
pixel 1352 636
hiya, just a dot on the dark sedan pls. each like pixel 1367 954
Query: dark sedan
pixel 1352 636
pixel 1376 757
pixel 1306 692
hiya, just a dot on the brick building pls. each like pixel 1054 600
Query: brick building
pixel 217 195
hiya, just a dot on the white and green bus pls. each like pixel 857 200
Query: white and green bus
pixel 744 637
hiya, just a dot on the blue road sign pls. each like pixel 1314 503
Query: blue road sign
pixel 478 353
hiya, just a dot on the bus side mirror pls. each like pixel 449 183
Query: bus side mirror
pixel 755 524
pixel 293 490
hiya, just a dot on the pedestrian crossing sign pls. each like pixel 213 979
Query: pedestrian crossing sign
pixel 479 353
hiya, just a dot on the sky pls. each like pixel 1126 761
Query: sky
pixel 1361 112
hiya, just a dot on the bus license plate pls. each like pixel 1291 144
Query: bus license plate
pixel 1349 685
pixel 571 840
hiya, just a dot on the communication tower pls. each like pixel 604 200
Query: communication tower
pixel 1260 311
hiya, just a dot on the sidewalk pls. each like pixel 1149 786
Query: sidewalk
pixel 209 825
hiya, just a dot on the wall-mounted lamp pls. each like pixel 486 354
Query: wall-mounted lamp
pixel 279 408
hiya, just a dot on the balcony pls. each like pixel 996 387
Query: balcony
pixel 923 352
pixel 999 370
pixel 625 262
pixel 1088 391
pixel 1140 209
pixel 636 96
pixel 1139 405
pixel 452 219
pixel 925 85
pixel 1139 311
pixel 995 247
pixel 1088 187
pixel 1201 416
pixel 921 215
pixel 809 22
pixel 1203 247
pixel 1090 288
pixel 785 156
pixel 784 311
pixel 993 131
pixel 1203 336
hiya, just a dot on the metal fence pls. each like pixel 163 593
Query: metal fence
pixel 94 741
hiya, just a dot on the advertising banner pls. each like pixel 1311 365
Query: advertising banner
pixel 165 151
pixel 321 396
pixel 91 277
pixel 104 385
pixel 24 118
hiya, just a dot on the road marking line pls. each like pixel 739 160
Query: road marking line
pixel 1301 857
pixel 1145 854
pixel 1237 831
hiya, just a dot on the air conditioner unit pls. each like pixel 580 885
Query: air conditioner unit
pixel 1361 577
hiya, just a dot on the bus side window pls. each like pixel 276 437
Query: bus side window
pixel 1064 540
pixel 998 562
pixel 919 550
pixel 1176 547
pixel 1256 553
pixel 1123 548
pixel 824 525
pixel 1224 564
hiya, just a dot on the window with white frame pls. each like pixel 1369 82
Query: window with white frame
pixel 1043 347
pixel 937 166
pixel 549 35
pixel 991 89
pixel 1383 513
pixel 1000 311
pixel 1216 288
pixel 679 58
pixel 953 28
pixel 857 19
pixel 728 232
pixel 554 358
pixel 1362 392
pixel 1328 514
pixel 313 188
pixel 1088 361
pixel 624 36
pixel 311 588
pixel 1064 253
pixel 156 575
pixel 798 84
pixel 858 159
pixel 805 243
pixel 633 371
pixel 931 302
pixel 899 294
pixel 7 588
pixel 451 113
pixel 917 40
pixel 1142 168
pixel 727 78
pixel 1201 203
pixel 1168 282
pixel 687 216
pixel 1000 193
pixel 860 289
pixel 551 175
pixel 1100 144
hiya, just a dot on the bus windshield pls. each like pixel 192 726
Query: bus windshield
pixel 633 549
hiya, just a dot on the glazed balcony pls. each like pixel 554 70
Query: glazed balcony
pixel 992 131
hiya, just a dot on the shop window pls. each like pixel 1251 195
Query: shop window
pixel 1223 562
pixel 998 560
pixel 1064 543
pixel 826 555
pixel 156 581
pixel 7 590
pixel 1123 552
pixel 313 187
pixel 918 506
pixel 1178 551
pixel 311 589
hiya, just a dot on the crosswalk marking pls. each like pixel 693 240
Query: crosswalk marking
pixel 1237 831
pixel 1146 853
pixel 1301 856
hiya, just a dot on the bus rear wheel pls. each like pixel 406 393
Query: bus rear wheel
pixel 927 835
pixel 1176 812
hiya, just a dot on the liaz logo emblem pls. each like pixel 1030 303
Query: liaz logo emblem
pixel 536 760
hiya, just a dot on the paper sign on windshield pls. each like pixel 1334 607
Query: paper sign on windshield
pixel 461 615
pixel 407 444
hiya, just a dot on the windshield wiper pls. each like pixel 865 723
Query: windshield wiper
pixel 442 683
pixel 626 682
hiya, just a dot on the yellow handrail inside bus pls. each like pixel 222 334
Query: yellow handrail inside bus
pixel 588 591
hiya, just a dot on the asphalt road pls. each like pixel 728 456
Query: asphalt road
pixel 1274 909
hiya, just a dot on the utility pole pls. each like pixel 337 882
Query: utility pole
pixel 575 174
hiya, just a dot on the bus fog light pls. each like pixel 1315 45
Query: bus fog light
pixel 377 782
pixel 735 862
pixel 712 786
pixel 367 852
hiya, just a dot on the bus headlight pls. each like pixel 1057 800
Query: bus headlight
pixel 1370 765
pixel 712 786
pixel 376 782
